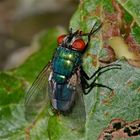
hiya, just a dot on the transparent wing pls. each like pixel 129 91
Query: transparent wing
pixel 76 118
pixel 78 114
pixel 37 96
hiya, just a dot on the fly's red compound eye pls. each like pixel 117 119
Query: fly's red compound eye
pixel 60 39
pixel 78 44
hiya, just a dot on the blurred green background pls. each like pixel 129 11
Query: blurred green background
pixel 21 20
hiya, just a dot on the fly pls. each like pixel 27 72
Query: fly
pixel 63 81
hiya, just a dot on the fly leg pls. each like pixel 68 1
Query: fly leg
pixel 86 87
pixel 99 70
pixel 84 84
pixel 84 78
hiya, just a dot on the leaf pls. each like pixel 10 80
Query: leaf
pixel 101 105
pixel 133 8
pixel 12 120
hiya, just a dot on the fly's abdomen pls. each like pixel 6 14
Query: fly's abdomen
pixel 62 96
pixel 64 62
pixel 59 78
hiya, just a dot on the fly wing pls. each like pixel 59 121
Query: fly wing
pixel 77 116
pixel 37 96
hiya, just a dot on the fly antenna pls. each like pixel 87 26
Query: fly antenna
pixel 94 30
pixel 73 33
pixel 70 31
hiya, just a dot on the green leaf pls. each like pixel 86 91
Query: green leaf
pixel 133 8
pixel 101 105
pixel 12 120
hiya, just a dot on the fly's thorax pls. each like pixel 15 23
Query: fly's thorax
pixel 68 54
pixel 64 63
pixel 62 95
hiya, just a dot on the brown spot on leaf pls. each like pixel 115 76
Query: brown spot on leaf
pixel 98 11
pixel 106 114
pixel 110 57
pixel 118 129
pixel 84 18
pixel 117 124
pixel 138 89
pixel 135 63
pixel 108 100
pixel 94 58
pixel 123 1
pixel 133 46
pixel 129 83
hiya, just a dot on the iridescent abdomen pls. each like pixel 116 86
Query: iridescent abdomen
pixel 64 62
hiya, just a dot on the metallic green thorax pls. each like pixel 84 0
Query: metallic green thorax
pixel 64 63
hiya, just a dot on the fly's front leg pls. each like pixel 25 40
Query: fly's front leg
pixel 86 87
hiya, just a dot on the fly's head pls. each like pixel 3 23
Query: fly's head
pixel 75 41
